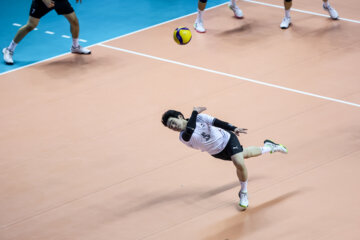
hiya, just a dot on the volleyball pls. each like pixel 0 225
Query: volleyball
pixel 182 35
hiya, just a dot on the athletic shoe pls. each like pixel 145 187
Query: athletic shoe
pixel 8 56
pixel 332 12
pixel 275 147
pixel 244 203
pixel 80 50
pixel 199 26
pixel 286 22
pixel 237 12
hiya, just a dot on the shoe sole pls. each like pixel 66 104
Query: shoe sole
pixel 199 31
pixel 243 208
pixel 81 53
pixel 269 141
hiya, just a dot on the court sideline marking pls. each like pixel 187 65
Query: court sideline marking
pixel 156 25
pixel 301 11
pixel 231 75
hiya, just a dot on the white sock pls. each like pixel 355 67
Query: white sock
pixel 265 149
pixel 199 15
pixel 233 2
pixel 75 42
pixel 243 186
pixel 12 46
pixel 287 13
pixel 326 4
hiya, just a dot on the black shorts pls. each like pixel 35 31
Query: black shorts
pixel 232 147
pixel 38 9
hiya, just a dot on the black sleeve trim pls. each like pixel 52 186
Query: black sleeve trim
pixel 223 125
pixel 190 127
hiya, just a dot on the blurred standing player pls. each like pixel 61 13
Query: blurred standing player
pixel 199 25
pixel 286 22
pixel 218 138
pixel 38 9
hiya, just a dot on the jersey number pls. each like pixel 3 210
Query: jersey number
pixel 206 136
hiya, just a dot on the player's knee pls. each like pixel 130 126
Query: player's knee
pixel 238 161
pixel 246 153
pixel 74 22
pixel 30 26
pixel 203 1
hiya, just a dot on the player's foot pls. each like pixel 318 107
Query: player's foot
pixel 286 22
pixel 80 50
pixel 8 56
pixel 244 203
pixel 237 11
pixel 199 26
pixel 332 12
pixel 275 147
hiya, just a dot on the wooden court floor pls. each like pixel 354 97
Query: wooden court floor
pixel 84 156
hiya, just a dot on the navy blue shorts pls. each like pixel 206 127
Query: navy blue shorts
pixel 232 147
pixel 38 9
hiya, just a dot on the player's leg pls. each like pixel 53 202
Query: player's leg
pixel 75 29
pixel 24 30
pixel 37 10
pixel 332 12
pixel 21 33
pixel 241 171
pixel 286 22
pixel 199 25
pixel 64 8
pixel 237 11
pixel 269 147
pixel 250 152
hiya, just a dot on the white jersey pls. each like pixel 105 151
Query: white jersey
pixel 207 137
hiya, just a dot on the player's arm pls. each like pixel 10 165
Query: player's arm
pixel 227 126
pixel 191 124
pixel 190 127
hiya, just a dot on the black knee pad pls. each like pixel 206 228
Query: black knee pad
pixel 203 1
pixel 288 0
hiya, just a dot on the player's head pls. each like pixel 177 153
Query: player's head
pixel 174 120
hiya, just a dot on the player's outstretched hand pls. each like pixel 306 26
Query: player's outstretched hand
pixel 199 109
pixel 237 131
pixel 78 1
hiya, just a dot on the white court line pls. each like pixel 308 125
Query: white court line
pixel 298 10
pixel 156 25
pixel 48 32
pixel 232 76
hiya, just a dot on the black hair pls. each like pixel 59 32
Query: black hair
pixel 168 114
